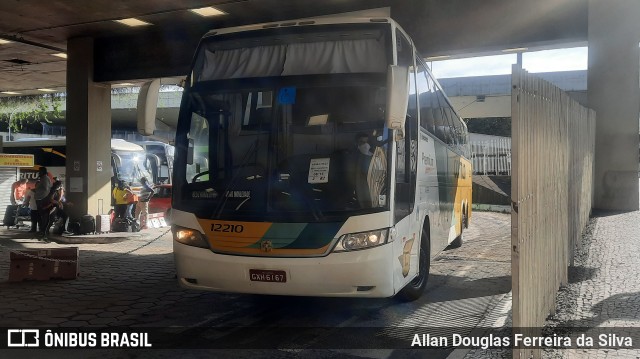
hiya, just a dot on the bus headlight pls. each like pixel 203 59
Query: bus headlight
pixel 190 237
pixel 362 240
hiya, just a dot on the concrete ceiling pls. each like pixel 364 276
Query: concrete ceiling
pixel 40 28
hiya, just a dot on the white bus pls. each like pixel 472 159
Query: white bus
pixel 127 159
pixel 316 158
pixel 160 159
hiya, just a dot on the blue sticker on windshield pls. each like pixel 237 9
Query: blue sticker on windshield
pixel 287 96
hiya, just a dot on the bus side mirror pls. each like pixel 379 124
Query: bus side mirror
pixel 397 96
pixel 147 107
pixel 190 152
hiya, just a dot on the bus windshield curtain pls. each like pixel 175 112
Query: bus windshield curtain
pixel 237 63
pixel 326 57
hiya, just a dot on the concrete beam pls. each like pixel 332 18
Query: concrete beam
pixel 88 172
pixel 436 26
pixel 614 93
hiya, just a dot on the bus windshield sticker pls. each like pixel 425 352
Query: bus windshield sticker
pixel 287 96
pixel 318 120
pixel 206 194
pixel 238 194
pixel 319 170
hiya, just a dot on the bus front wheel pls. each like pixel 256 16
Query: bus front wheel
pixel 415 288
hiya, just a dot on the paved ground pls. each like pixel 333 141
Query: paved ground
pixel 603 294
pixel 604 288
pixel 132 284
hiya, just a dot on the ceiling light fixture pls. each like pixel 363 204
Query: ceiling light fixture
pixel 46 90
pixel 3 41
pixel 516 49
pixel 61 55
pixel 208 11
pixel 124 84
pixel 440 57
pixel 133 22
pixel 10 92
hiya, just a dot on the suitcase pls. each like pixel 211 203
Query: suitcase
pixel 103 223
pixel 57 227
pixel 121 225
pixel 87 224
pixel 24 212
pixel 10 216
pixel 74 227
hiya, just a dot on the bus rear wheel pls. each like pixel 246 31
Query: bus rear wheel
pixel 415 288
pixel 457 243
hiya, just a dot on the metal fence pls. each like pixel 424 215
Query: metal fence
pixel 551 194
pixel 491 157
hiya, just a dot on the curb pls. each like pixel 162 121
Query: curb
pixel 94 239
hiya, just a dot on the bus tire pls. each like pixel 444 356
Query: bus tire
pixel 414 289
pixel 465 217
pixel 457 243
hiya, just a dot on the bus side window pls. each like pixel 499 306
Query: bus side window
pixel 444 131
pixel 425 96
pixel 198 136
pixel 407 148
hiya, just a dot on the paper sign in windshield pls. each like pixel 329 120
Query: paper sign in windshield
pixel 319 170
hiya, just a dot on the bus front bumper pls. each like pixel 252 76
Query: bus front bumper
pixel 364 273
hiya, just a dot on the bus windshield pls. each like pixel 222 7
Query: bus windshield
pixel 308 152
pixel 131 166
pixel 273 120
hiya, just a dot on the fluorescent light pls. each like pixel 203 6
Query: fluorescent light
pixel 61 55
pixel 10 92
pixel 133 22
pixel 441 57
pixel 46 90
pixel 3 41
pixel 208 11
pixel 124 84
pixel 516 49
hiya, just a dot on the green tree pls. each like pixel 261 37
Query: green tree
pixel 17 112
pixel 496 126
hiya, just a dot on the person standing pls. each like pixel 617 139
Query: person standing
pixel 120 199
pixel 132 200
pixel 142 208
pixel 41 193
pixel 30 200
pixel 55 208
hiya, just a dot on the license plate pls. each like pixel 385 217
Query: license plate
pixel 260 275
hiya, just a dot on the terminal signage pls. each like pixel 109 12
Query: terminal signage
pixel 16 160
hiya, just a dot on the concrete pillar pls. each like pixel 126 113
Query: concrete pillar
pixel 614 93
pixel 88 174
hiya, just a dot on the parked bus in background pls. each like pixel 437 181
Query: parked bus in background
pixel 127 159
pixel 129 162
pixel 320 158
pixel 160 160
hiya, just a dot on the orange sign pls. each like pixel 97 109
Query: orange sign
pixel 16 160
